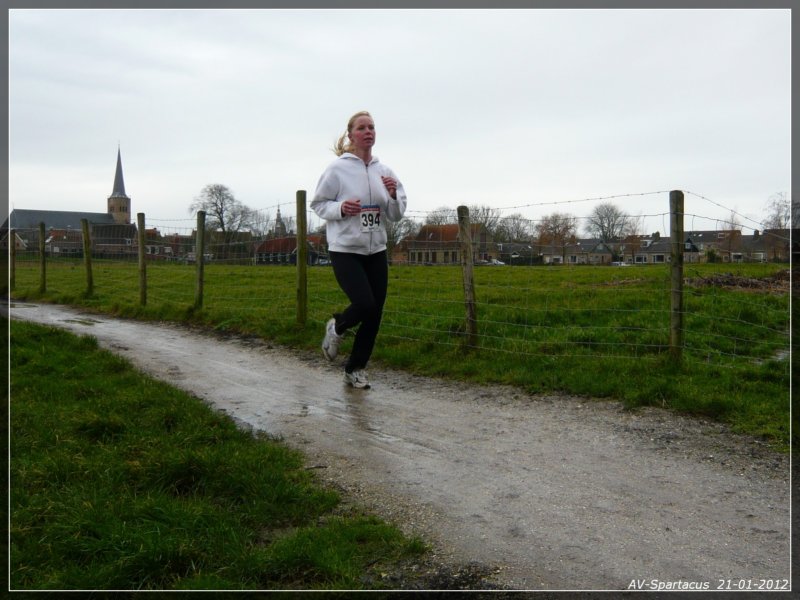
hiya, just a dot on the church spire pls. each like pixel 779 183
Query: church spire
pixel 119 205
pixel 119 182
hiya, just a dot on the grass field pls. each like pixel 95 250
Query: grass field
pixel 592 331
pixel 121 482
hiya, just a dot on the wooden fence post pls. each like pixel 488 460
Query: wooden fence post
pixel 199 252
pixel 142 260
pixel 87 256
pixel 676 274
pixel 465 235
pixel 42 261
pixel 301 256
pixel 12 258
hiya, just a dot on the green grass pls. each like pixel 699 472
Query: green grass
pixel 119 481
pixel 593 331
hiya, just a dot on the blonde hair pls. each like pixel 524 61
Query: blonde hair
pixel 343 144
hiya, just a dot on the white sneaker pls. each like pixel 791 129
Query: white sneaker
pixel 330 345
pixel 357 379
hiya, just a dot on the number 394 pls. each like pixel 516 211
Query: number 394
pixel 370 219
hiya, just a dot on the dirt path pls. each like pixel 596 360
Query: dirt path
pixel 541 492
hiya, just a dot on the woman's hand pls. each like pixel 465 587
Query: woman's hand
pixel 351 207
pixel 391 186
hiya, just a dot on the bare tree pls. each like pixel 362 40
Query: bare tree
pixel 635 225
pixel 260 221
pixel 291 225
pixel 633 233
pixel 607 223
pixel 779 211
pixel 734 222
pixel 441 216
pixel 734 236
pixel 556 230
pixel 513 228
pixel 224 212
pixel 396 231
pixel 226 216
pixel 479 214
pixel 485 215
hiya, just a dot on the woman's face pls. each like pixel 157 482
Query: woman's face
pixel 362 135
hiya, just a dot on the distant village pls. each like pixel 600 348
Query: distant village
pixel 114 236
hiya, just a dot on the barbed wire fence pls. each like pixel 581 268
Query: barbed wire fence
pixel 579 298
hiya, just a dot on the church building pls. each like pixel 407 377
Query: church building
pixel 112 232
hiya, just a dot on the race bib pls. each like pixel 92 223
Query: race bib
pixel 370 217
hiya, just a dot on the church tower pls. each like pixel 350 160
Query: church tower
pixel 119 205
pixel 280 226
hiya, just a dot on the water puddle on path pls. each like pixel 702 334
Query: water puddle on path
pixel 88 322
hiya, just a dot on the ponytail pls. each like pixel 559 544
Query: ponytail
pixel 343 145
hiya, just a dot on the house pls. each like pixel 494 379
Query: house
pixel 731 246
pixel 400 252
pixel 778 243
pixel 711 246
pixel 576 252
pixel 179 245
pixel 718 246
pixel 769 245
pixel 630 246
pixel 283 250
pixel 518 253
pixel 551 253
pixel 589 252
pixel 653 252
pixel 441 245
pixel 114 240
pixel 64 243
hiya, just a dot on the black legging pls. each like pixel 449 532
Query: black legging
pixel 364 279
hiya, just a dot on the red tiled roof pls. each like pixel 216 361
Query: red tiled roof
pixel 443 233
pixel 278 245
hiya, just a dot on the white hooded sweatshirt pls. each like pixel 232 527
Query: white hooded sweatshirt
pixel 348 178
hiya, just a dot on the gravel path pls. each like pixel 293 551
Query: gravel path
pixel 514 491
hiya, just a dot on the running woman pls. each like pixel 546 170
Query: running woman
pixel 355 195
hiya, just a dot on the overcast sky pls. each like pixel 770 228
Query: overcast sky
pixel 531 111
